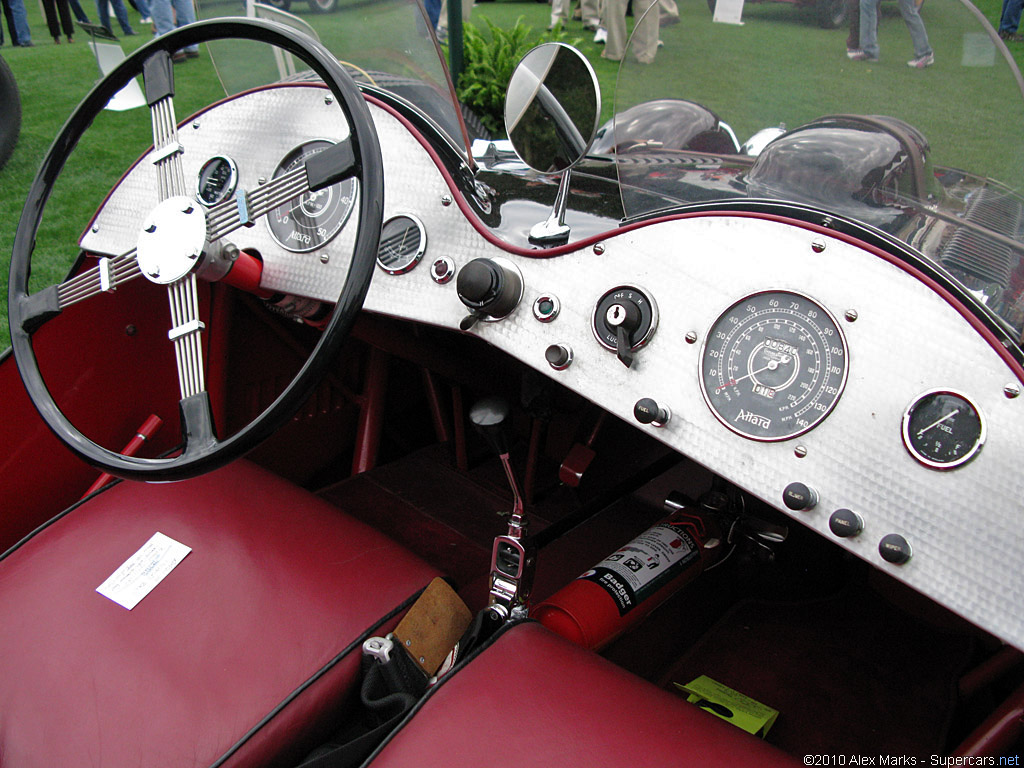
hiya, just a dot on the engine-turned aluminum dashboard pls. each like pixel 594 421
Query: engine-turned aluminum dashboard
pixel 902 340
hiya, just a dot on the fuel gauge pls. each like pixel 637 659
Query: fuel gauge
pixel 942 429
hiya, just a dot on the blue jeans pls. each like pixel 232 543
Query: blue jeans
pixel 103 10
pixel 164 13
pixel 1009 20
pixel 869 27
pixel 20 18
pixel 76 8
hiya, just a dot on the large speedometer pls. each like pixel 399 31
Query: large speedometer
pixel 773 365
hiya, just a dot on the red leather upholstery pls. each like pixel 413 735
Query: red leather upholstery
pixel 278 583
pixel 534 699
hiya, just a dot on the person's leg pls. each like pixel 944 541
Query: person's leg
pixel 185 13
pixel 918 35
pixel 103 12
pixel 21 22
pixel 645 31
pixel 122 16
pixel 560 11
pixel 144 13
pixel 590 14
pixel 64 13
pixel 80 14
pixel 614 19
pixel 50 12
pixel 1009 20
pixel 869 28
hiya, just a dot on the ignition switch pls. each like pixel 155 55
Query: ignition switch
pixel 624 320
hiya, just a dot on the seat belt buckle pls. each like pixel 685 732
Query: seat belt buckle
pixel 379 648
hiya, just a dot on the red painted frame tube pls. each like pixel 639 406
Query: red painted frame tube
pixel 149 428
pixel 371 412
pixel 1000 730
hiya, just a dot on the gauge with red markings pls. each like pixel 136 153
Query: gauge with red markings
pixel 773 365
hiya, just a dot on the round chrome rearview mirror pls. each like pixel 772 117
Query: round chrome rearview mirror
pixel 552 107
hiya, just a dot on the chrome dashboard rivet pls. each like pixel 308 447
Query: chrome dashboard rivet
pixel 195 125
pixel 261 180
pixel 325 257
pixel 95 228
pixel 446 200
pixel 817 245
pixel 1012 390
pixel 598 248
pixel 329 99
pixel 800 451
pixel 691 338
pixel 851 315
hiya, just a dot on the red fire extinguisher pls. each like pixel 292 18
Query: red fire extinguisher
pixel 626 586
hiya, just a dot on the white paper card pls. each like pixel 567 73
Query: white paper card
pixel 141 572
pixel 728 11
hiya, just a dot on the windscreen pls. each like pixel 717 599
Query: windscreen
pixel 921 138
pixel 386 46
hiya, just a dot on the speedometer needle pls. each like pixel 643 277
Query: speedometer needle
pixel 936 423
pixel 772 365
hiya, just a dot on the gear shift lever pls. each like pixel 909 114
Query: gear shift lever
pixel 512 557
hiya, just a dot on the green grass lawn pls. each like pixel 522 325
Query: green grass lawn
pixel 798 73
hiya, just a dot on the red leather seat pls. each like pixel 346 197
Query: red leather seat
pixel 277 584
pixel 534 699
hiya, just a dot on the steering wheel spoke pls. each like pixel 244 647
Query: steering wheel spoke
pixel 158 76
pixel 334 164
pixel 186 335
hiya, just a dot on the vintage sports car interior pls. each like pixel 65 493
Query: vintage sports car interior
pixel 667 401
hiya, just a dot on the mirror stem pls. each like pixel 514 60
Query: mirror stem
pixel 555 231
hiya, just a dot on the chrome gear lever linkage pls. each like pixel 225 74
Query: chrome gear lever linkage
pixel 513 557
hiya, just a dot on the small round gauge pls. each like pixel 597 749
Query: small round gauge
pixel 942 429
pixel 403 241
pixel 310 220
pixel 217 180
pixel 773 365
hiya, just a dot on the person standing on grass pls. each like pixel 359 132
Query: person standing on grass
pixel 1009 20
pixel 645 33
pixel 58 15
pixel 170 14
pixel 103 9
pixel 17 23
pixel 76 9
pixel 923 54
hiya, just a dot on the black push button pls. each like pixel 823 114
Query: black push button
pixel 845 523
pixel 894 549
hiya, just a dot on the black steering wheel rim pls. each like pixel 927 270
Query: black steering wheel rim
pixel 203 452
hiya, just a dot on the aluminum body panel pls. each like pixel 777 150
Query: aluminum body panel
pixel 962 524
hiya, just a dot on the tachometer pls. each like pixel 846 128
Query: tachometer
pixel 773 365
pixel 310 220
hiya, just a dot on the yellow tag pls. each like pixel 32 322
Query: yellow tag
pixel 434 624
pixel 722 701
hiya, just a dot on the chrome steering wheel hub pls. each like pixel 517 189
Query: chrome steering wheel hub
pixel 171 240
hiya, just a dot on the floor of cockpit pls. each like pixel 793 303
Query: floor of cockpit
pixel 808 635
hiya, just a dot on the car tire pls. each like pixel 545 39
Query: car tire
pixel 831 13
pixel 10 112
pixel 283 5
pixel 323 6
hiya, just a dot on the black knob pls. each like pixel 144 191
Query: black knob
pixel 647 411
pixel 558 356
pixel 488 416
pixel 489 288
pixel 895 549
pixel 845 523
pixel 799 497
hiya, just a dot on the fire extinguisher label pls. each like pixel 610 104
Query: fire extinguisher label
pixel 642 567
